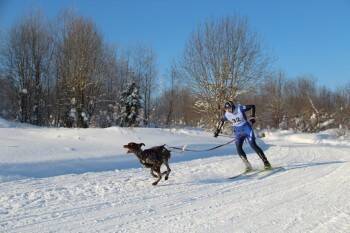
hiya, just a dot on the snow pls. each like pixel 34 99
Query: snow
pixel 327 137
pixel 9 124
pixel 327 123
pixel 82 180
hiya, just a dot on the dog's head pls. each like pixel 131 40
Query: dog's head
pixel 133 147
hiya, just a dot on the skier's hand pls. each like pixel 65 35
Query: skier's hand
pixel 252 120
pixel 216 133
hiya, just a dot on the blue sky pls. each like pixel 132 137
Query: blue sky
pixel 305 37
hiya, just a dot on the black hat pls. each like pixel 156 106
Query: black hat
pixel 229 104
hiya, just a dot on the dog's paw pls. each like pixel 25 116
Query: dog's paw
pixel 166 178
pixel 154 183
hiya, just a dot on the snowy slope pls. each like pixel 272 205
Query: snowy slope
pixel 81 180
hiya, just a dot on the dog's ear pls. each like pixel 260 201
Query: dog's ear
pixel 142 144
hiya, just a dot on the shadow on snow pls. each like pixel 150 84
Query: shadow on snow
pixel 259 175
pixel 108 163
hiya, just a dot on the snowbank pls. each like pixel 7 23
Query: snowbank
pixel 11 124
pixel 329 137
pixel 6 124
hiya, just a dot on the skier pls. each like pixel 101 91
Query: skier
pixel 242 129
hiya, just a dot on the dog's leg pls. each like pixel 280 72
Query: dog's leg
pixel 152 173
pixel 168 169
pixel 157 170
pixel 165 172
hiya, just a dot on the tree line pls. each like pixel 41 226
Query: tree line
pixel 62 73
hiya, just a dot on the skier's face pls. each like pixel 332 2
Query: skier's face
pixel 228 109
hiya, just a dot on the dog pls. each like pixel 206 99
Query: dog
pixel 152 158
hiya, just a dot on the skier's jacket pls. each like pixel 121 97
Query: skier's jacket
pixel 238 117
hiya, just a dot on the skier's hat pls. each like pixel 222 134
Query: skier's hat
pixel 229 105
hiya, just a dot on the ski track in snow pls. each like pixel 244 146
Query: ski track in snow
pixel 96 187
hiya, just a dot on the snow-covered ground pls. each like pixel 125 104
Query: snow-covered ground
pixel 82 180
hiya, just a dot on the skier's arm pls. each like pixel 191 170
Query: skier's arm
pixel 218 128
pixel 250 107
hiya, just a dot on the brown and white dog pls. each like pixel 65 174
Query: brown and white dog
pixel 151 158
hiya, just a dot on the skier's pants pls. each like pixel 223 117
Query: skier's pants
pixel 246 132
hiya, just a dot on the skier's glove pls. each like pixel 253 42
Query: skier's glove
pixel 252 120
pixel 216 133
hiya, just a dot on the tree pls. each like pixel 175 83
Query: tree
pixel 130 107
pixel 64 74
pixel 26 59
pixel 342 106
pixel 8 97
pixel 273 100
pixel 222 59
pixel 81 68
pixel 143 63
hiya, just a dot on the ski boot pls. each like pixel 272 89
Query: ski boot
pixel 267 166
pixel 248 168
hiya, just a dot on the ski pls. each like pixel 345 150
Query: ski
pixel 266 172
pixel 245 174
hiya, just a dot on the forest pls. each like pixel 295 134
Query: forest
pixel 63 73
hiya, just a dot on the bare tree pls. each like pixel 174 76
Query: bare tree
pixel 8 97
pixel 80 69
pixel 175 104
pixel 144 66
pixel 26 59
pixel 171 97
pixel 341 106
pixel 222 59
pixel 272 104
